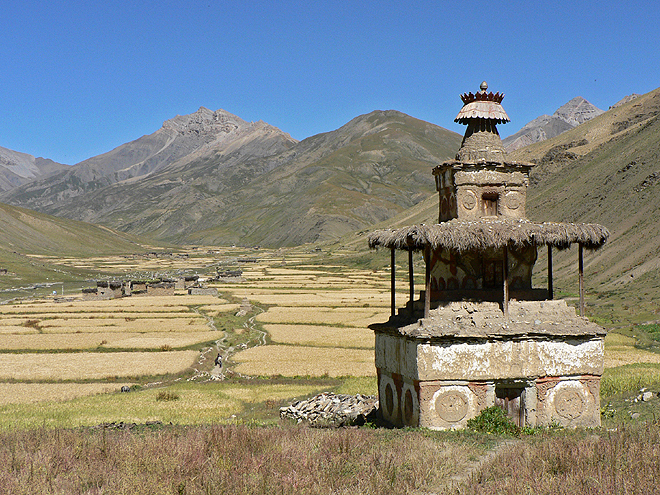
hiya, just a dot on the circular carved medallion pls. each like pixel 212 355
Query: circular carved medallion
pixel 569 403
pixel 512 200
pixel 469 200
pixel 389 399
pixel 451 406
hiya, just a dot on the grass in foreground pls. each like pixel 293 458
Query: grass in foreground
pixel 227 459
pixel 626 460
pixel 288 459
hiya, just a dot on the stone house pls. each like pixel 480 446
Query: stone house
pixel 480 333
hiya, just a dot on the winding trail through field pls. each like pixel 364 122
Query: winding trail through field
pixel 217 373
pixel 475 466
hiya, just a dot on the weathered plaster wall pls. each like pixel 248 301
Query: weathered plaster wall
pixel 489 360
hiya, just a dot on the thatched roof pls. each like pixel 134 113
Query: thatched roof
pixel 460 236
pixel 482 110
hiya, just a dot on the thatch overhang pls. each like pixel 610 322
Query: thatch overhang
pixel 482 164
pixel 490 110
pixel 461 236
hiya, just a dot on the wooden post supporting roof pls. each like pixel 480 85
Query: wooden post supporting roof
pixel 581 278
pixel 505 270
pixel 392 282
pixel 550 287
pixel 411 281
pixel 427 280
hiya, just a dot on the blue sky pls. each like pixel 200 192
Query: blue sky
pixel 82 77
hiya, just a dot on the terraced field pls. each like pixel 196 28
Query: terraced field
pixel 291 329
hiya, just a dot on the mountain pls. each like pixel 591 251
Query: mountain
pixel 178 141
pixel 19 168
pixel 575 112
pixel 30 232
pixel 195 181
pixel 607 171
pixel 32 243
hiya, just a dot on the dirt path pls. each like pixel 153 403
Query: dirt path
pixel 473 467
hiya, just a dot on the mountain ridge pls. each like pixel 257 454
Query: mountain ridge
pixel 571 114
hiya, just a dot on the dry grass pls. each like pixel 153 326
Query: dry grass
pixel 321 336
pixel 138 325
pixel 30 393
pixel 92 340
pixel 328 298
pixel 621 357
pixel 92 365
pixel 216 309
pixel 626 460
pixel 620 351
pixel 229 459
pixel 16 330
pixel 288 360
pixel 351 317
pixel 138 304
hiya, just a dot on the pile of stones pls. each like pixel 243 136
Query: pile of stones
pixel 328 410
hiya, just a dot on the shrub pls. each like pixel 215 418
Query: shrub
pixel 493 420
pixel 167 396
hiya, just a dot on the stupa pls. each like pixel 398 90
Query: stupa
pixel 480 334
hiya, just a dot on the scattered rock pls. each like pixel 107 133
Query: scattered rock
pixel 328 409
pixel 647 396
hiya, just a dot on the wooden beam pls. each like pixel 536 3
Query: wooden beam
pixel 505 271
pixel 581 278
pixel 427 294
pixel 392 282
pixel 551 290
pixel 411 281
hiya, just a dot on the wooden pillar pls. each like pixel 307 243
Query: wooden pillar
pixel 581 278
pixel 427 280
pixel 505 272
pixel 411 281
pixel 551 290
pixel 392 282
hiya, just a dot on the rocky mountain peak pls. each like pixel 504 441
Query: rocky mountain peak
pixel 625 100
pixel 577 111
pixel 205 121
pixel 569 115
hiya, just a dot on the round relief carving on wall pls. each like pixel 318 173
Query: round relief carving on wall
pixel 451 406
pixel 469 200
pixel 512 200
pixel 569 403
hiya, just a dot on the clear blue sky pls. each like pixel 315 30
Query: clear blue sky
pixel 82 77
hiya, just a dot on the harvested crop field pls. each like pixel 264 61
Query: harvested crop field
pixel 321 336
pixel 101 339
pixel 29 393
pixel 319 315
pixel 92 365
pixel 287 360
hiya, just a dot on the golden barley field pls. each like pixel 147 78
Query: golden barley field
pixel 30 393
pixel 92 365
pixel 315 320
pixel 105 340
pixel 320 315
pixel 287 360
pixel 321 336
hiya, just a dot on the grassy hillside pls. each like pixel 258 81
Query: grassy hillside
pixel 368 171
pixel 607 171
pixel 28 239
